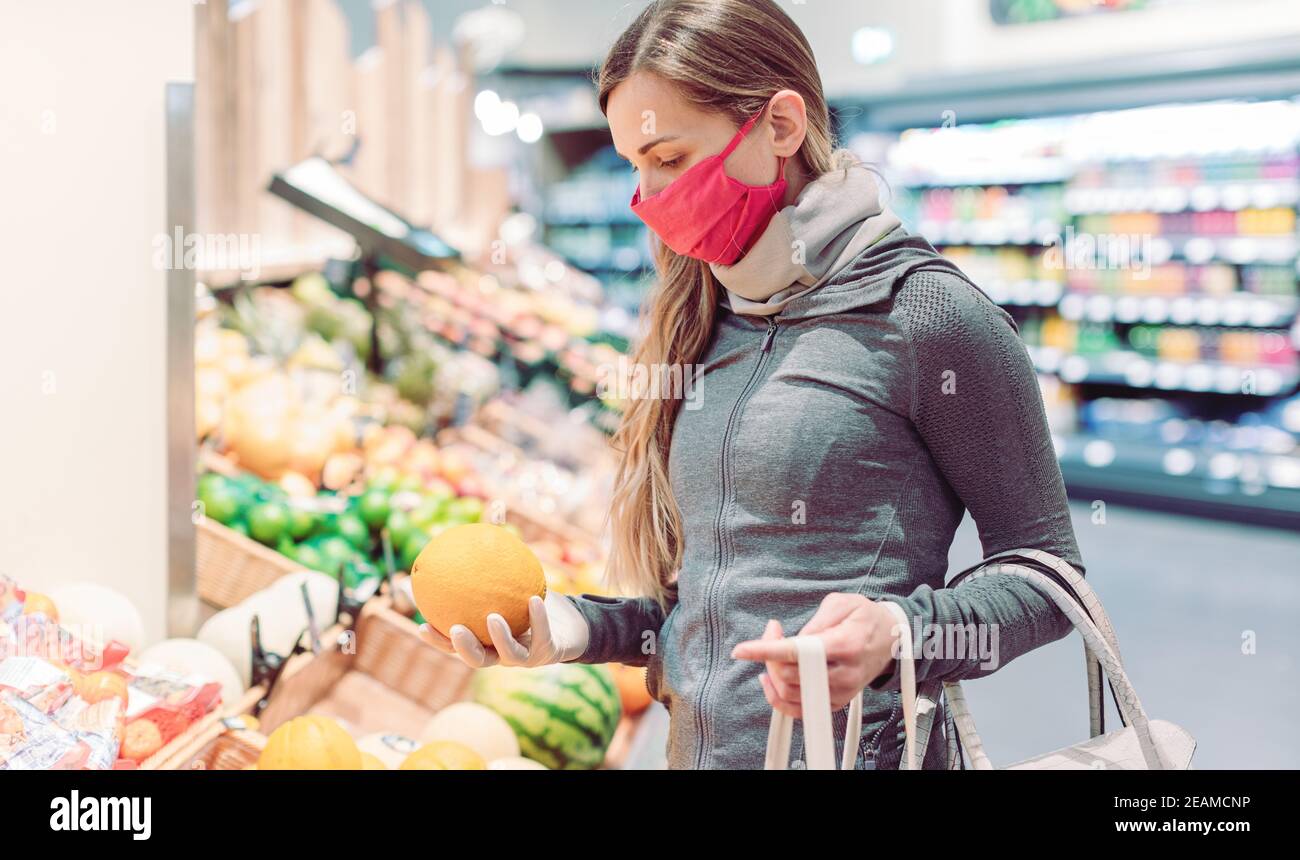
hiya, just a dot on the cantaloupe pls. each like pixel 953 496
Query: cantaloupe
pixel 389 748
pixel 516 763
pixel 192 657
pixel 322 589
pixel 227 634
pixel 282 617
pixel 98 614
pixel 470 571
pixel 476 726
pixel 310 743
pixel 444 755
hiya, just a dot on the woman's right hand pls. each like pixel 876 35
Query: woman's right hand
pixel 557 633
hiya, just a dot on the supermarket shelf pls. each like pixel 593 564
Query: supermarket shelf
pixel 1132 370
pixel 988 233
pixel 1030 293
pixel 1170 199
pixel 1258 488
pixel 1052 174
pixel 1240 309
pixel 1241 250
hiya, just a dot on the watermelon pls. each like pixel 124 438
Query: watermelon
pixel 564 715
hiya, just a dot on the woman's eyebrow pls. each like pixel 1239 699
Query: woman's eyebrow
pixel 652 144
pixel 649 146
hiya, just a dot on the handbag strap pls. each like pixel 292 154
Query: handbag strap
pixel 1079 603
pixel 1126 698
pixel 1078 588
pixel 815 699
pixel 907 683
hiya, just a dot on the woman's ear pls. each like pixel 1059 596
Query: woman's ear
pixel 789 123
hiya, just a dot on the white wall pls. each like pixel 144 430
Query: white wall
pixel 82 336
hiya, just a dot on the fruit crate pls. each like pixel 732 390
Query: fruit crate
pixel 390 681
pixel 217 747
pixel 380 677
pixel 231 567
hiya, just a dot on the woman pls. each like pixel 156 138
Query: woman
pixel 856 395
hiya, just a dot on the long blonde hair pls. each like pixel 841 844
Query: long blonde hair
pixel 730 57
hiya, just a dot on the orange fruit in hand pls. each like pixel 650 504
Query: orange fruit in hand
pixel 470 571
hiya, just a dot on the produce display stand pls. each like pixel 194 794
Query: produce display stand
pixel 380 677
pixel 198 734
pixel 532 523
pixel 216 747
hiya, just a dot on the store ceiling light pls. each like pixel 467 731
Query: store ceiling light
pixel 872 45
pixel 502 119
pixel 530 128
pixel 486 104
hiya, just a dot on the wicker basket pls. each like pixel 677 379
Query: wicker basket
pixel 382 678
pixel 390 682
pixel 217 748
pixel 230 567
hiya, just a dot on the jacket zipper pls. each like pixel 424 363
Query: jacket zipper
pixel 711 595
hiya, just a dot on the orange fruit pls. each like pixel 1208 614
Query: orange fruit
pixel 42 604
pixel 142 739
pixel 631 688
pixel 98 686
pixel 469 571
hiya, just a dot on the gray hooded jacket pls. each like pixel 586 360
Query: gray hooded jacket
pixel 837 446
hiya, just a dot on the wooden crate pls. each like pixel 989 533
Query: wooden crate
pixel 231 567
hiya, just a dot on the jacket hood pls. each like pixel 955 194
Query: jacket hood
pixel 837 247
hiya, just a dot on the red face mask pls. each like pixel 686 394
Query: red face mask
pixel 707 215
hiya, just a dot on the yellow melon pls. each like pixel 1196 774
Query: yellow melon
pixel 478 727
pixel 369 762
pixel 310 743
pixel 444 755
pixel 471 571
pixel 516 763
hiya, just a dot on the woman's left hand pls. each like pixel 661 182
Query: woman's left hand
pixel 859 637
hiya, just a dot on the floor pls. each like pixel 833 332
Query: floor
pixel 1208 618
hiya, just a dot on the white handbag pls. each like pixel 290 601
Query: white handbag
pixel 1141 744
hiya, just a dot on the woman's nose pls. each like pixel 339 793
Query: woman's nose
pixel 652 185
